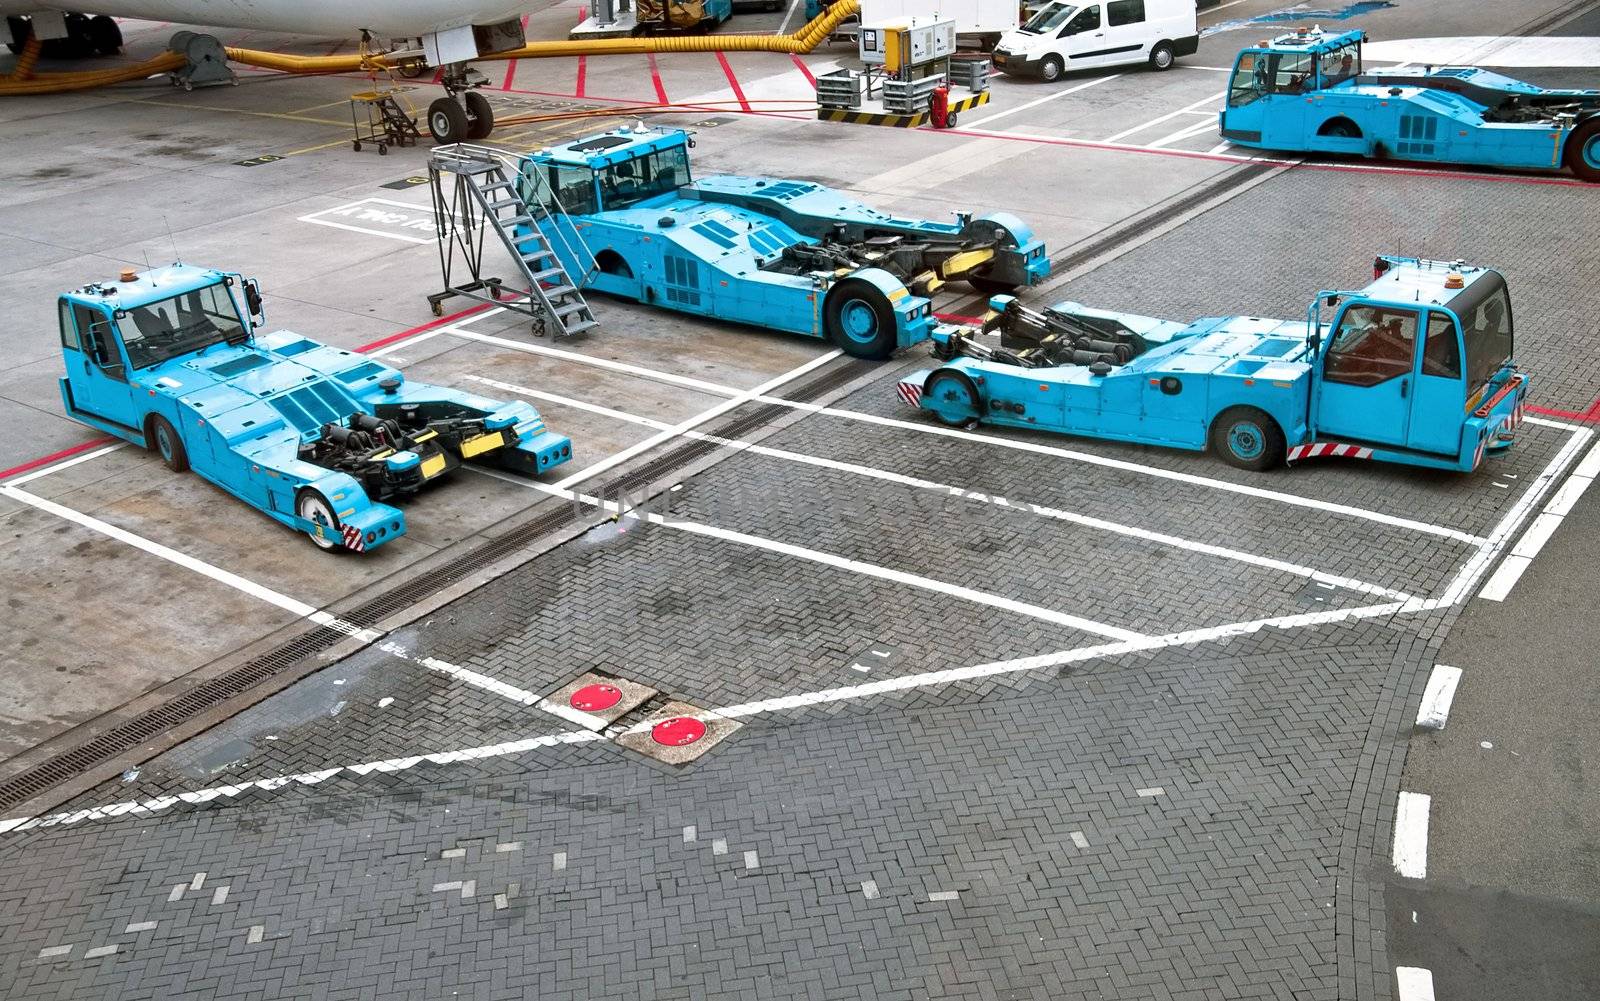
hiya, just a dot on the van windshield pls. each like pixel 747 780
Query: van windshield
pixel 1049 18
pixel 180 325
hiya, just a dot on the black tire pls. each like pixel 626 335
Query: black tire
pixel 859 319
pixel 383 149
pixel 1051 68
pixel 105 35
pixel 480 114
pixel 163 440
pixel 989 286
pixel 312 506
pixel 950 120
pixel 1583 151
pixel 1162 56
pixel 955 388
pixel 447 121
pixel 357 145
pixel 1339 128
pixel 1247 438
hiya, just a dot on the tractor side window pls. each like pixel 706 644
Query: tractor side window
pixel 1291 73
pixel 574 189
pixel 1119 12
pixel 1088 19
pixel 632 181
pixel 1485 312
pixel 1441 352
pixel 94 331
pixel 1373 344
pixel 1246 86
pixel 69 333
pixel 1340 64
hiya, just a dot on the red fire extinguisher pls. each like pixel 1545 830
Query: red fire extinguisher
pixel 939 109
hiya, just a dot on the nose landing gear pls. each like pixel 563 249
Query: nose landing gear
pixel 463 114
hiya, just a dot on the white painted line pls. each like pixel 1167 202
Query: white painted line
pixel 453 853
pixel 256 934
pixel 788 15
pixel 198 882
pixel 450 887
pixel 468 888
pixel 1097 81
pixel 688 382
pixel 940 895
pixel 616 459
pixel 1125 133
pixel 688 834
pixel 719 846
pixel 1435 708
pixel 1219 147
pixel 508 846
pixel 558 861
pixel 138 926
pixel 838 562
pixel 1151 791
pixel 1412 983
pixel 17 481
pixel 54 950
pixel 1411 835
pixel 1079 840
pixel 220 895
pixel 750 860
pixel 177 893
pixel 1544 526
pixel 1058 514
pixel 869 889
pixel 1183 133
pixel 101 950
pixel 418 218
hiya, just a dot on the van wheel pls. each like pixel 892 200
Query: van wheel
pixel 1162 56
pixel 164 440
pixel 1051 68
pixel 1247 438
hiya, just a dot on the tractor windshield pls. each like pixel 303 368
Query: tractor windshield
pixel 655 173
pixel 1049 18
pixel 181 325
pixel 1258 73
pixel 1485 314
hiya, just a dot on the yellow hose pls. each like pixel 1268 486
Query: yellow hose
pixel 805 39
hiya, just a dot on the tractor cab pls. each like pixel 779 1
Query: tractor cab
pixel 1408 360
pixel 1272 75
pixel 610 172
pixel 116 336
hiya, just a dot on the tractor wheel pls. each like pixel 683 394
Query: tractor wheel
pixel 447 121
pixel 313 507
pixel 952 397
pixel 1247 438
pixel 989 286
pixel 1583 150
pixel 105 35
pixel 164 441
pixel 859 319
pixel 1162 57
pixel 1340 128
pixel 1051 68
pixel 481 115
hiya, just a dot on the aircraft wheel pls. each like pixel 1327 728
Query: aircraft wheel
pixel 952 397
pixel 447 121
pixel 859 319
pixel 481 115
pixel 164 439
pixel 1583 150
pixel 314 507
pixel 1247 438
pixel 105 35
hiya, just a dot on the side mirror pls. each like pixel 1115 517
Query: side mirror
pixel 1313 342
pixel 1332 300
pixel 252 298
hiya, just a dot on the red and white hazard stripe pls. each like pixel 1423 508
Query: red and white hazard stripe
pixel 353 539
pixel 911 392
pixel 1321 449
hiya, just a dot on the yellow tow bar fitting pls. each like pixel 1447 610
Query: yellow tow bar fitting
pixel 481 444
pixel 959 264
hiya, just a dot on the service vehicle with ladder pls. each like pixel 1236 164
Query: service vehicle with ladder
pixel 622 209
pixel 1415 368
pixel 1309 92
pixel 316 437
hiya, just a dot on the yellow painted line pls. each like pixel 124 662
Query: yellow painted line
pixel 314 107
pixel 344 124
pixel 312 149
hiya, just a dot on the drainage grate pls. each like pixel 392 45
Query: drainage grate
pixel 122 738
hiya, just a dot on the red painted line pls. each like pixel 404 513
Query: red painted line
pixel 1567 182
pixel 412 332
pixel 1570 415
pixel 45 460
pixel 655 78
pixel 733 81
pixel 511 74
pixel 582 71
pixel 800 64
pixel 958 318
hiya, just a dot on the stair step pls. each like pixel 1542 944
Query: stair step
pixel 529 256
pixel 497 206
pixel 555 292
pixel 568 308
pixel 573 328
pixel 544 273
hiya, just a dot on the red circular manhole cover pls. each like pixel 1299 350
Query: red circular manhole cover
pixel 678 731
pixel 596 698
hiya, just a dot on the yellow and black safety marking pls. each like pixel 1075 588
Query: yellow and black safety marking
pixel 899 121
pixel 406 182
pixel 257 161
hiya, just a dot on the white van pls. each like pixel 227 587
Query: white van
pixel 1065 36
